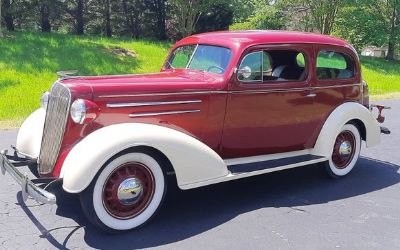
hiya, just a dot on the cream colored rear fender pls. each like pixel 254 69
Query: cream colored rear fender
pixel 191 159
pixel 340 116
pixel 30 134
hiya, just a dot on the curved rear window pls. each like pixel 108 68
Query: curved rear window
pixel 334 65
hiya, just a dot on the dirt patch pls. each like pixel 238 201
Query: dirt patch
pixel 121 52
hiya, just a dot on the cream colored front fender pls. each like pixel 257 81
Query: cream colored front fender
pixel 30 133
pixel 191 159
pixel 340 116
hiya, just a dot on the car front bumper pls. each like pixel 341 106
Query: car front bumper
pixel 27 186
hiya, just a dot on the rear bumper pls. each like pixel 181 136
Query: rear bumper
pixel 27 186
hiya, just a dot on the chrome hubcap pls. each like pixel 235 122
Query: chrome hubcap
pixel 345 148
pixel 130 191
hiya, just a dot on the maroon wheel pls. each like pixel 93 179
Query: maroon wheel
pixel 128 190
pixel 343 149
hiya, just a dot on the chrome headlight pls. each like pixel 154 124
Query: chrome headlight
pixel 44 100
pixel 83 111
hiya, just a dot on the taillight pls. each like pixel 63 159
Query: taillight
pixel 365 94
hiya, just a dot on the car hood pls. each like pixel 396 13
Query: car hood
pixel 166 81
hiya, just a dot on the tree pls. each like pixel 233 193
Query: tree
pixel 393 6
pixel 217 17
pixel 371 22
pixel 187 15
pixel 267 15
pixel 76 9
pixel 7 13
pixel 1 20
pixel 159 8
pixel 107 16
pixel 45 16
pixel 313 15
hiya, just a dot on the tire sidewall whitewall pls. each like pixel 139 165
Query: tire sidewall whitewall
pixel 120 224
pixel 357 137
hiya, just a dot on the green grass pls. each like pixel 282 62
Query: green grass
pixel 29 61
pixel 383 77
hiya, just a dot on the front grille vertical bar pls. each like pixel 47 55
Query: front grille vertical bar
pixel 54 127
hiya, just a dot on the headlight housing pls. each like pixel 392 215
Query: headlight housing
pixel 83 111
pixel 44 100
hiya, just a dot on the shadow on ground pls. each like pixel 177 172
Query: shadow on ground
pixel 188 213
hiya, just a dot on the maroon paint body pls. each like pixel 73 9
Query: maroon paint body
pixel 235 119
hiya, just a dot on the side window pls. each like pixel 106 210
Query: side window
pixel 334 65
pixel 251 67
pixel 272 66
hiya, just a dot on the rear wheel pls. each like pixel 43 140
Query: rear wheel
pixel 345 152
pixel 126 193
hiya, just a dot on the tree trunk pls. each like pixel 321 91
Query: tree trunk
pixel 80 22
pixel 392 35
pixel 108 19
pixel 160 13
pixel 45 18
pixel 8 18
pixel 1 20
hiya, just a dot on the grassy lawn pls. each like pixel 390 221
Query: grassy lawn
pixel 29 61
pixel 383 77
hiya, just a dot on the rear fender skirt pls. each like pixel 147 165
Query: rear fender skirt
pixel 341 115
pixel 192 160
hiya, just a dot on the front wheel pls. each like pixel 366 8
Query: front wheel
pixel 345 152
pixel 126 193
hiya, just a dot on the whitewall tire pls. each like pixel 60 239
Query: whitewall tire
pixel 345 151
pixel 126 193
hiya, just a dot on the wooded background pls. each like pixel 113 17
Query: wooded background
pixel 361 22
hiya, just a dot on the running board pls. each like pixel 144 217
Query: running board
pixel 276 164
pixel 251 166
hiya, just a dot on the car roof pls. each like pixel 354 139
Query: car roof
pixel 244 38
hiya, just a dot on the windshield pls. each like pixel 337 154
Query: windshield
pixel 208 58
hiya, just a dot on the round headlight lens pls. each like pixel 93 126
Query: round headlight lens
pixel 78 111
pixel 44 100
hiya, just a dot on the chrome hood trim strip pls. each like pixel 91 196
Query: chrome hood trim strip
pixel 145 104
pixel 135 115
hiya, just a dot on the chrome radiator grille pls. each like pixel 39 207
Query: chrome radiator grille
pixel 54 127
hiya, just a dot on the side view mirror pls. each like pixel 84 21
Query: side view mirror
pixel 244 72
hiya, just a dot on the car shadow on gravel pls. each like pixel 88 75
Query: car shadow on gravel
pixel 189 213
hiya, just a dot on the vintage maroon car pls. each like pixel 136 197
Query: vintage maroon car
pixel 225 105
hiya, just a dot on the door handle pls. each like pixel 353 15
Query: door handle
pixel 311 95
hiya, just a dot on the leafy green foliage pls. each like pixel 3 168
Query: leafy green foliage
pixel 265 17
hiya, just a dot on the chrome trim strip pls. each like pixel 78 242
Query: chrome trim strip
pixel 133 115
pixel 145 104
pixel 165 94
pixel 231 92
pixel 337 86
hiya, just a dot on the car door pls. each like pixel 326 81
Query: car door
pixel 269 110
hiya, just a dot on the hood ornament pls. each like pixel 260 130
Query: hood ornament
pixel 66 73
